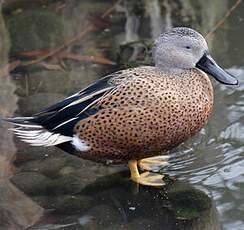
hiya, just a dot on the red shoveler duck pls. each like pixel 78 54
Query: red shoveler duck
pixel 132 115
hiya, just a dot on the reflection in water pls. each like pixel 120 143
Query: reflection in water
pixel 212 161
pixel 154 11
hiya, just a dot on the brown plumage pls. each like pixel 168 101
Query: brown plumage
pixel 137 113
pixel 146 113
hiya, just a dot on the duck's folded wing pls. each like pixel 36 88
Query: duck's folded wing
pixel 98 88
pixel 54 125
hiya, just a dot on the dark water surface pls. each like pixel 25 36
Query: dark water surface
pixel 45 188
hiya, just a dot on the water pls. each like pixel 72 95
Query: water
pixel 63 192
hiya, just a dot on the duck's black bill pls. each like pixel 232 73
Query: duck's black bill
pixel 209 66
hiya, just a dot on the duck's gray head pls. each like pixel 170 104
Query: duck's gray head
pixel 182 48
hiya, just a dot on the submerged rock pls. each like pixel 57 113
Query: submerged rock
pixel 175 206
pixel 31 182
pixel 49 166
pixel 64 204
pixel 67 184
pixel 72 204
pixel 116 201
pixel 188 204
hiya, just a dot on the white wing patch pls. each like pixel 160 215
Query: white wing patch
pixel 79 144
pixel 38 136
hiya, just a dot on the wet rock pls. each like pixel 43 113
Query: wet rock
pixel 31 182
pixel 67 184
pixel 22 157
pixel 45 201
pixel 48 167
pixel 72 204
pixel 49 161
pixel 27 153
pixel 67 170
pixel 64 204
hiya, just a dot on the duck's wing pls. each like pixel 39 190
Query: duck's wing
pixel 54 125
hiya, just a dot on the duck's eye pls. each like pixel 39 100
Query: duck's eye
pixel 188 47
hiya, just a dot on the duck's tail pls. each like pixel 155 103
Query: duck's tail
pixel 28 131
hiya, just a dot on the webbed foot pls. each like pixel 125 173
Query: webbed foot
pixel 146 178
pixel 151 179
pixel 153 163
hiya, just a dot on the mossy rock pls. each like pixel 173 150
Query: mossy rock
pixel 31 182
pixel 34 30
pixel 189 203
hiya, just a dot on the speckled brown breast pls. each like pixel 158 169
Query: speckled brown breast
pixel 148 112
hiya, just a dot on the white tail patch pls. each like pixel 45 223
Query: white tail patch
pixel 79 144
pixel 38 136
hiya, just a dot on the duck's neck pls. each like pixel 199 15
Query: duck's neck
pixel 168 69
pixel 167 65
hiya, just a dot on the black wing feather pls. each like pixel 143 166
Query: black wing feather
pixel 99 85
pixel 54 118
